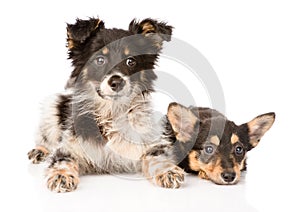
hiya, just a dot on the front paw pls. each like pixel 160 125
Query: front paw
pixel 203 175
pixel 38 155
pixel 62 181
pixel 172 178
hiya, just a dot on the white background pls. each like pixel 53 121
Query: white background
pixel 254 48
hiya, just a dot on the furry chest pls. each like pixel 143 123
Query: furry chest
pixel 129 134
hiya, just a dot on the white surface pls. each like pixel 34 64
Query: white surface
pixel 254 48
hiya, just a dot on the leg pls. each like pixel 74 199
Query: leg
pixel 51 128
pixel 159 167
pixel 62 173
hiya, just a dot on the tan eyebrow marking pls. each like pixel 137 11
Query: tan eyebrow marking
pixel 105 50
pixel 215 140
pixel 126 51
pixel 234 138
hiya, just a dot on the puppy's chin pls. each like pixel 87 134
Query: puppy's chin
pixel 220 181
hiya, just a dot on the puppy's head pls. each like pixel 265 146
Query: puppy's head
pixel 116 63
pixel 220 149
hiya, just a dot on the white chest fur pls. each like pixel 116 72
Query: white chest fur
pixel 129 132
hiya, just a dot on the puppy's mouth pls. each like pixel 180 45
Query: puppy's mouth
pixel 109 97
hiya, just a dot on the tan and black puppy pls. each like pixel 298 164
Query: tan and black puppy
pixel 207 143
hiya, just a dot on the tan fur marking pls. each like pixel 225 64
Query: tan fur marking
pixel 105 50
pixel 215 140
pixel 202 175
pixel 193 161
pixel 211 171
pixel 126 51
pixel 234 138
pixel 43 149
pixel 99 21
pixel 148 27
pixel 254 143
pixel 241 165
pixel 70 41
pixel 70 44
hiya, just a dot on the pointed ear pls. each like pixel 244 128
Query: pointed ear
pixel 259 126
pixel 81 30
pixel 159 31
pixel 184 123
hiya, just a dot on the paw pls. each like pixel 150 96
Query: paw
pixel 38 155
pixel 203 175
pixel 172 178
pixel 62 181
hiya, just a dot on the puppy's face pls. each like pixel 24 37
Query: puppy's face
pixel 220 147
pixel 116 63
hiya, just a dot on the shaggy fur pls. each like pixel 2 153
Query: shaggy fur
pixel 103 122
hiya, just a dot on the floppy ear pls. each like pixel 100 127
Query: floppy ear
pixel 184 123
pixel 81 30
pixel 160 31
pixel 259 126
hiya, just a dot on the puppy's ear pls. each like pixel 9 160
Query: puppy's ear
pixel 259 126
pixel 79 32
pixel 184 123
pixel 160 31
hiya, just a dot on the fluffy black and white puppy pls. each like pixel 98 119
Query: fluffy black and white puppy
pixel 103 122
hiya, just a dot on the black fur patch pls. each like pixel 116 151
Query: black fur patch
pixel 59 156
pixel 156 150
pixel 64 110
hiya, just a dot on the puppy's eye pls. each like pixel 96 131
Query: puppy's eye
pixel 130 62
pixel 100 60
pixel 209 149
pixel 239 150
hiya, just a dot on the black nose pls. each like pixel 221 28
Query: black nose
pixel 228 177
pixel 116 83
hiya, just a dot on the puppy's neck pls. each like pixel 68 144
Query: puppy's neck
pixel 114 108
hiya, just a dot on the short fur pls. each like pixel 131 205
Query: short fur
pixel 206 143
pixel 103 122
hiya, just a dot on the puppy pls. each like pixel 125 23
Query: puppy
pixel 206 143
pixel 103 122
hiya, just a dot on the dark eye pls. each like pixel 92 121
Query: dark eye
pixel 209 149
pixel 239 150
pixel 100 60
pixel 130 62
